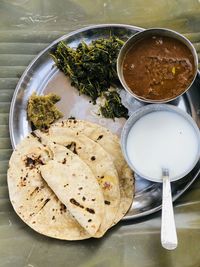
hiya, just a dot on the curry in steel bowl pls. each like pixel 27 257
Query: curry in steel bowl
pixel 157 65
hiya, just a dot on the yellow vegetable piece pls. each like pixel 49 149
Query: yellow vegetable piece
pixel 174 70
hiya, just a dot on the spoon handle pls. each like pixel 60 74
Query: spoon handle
pixel 168 228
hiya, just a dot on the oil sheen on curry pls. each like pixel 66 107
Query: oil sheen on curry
pixel 158 68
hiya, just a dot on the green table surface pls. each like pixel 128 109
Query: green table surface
pixel 26 27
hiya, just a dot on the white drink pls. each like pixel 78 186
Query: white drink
pixel 162 139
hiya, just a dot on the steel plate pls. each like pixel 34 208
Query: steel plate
pixel 43 77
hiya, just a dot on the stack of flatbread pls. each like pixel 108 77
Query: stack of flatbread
pixel 70 182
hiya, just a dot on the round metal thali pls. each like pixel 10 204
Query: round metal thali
pixel 43 77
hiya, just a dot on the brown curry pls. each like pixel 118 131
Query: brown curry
pixel 158 68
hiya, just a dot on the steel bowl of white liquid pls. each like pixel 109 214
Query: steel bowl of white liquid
pixel 161 143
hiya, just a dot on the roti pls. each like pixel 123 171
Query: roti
pixel 31 197
pixel 75 185
pixel 110 142
pixel 28 195
pixel 99 161
pixel 47 198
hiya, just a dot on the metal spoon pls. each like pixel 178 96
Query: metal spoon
pixel 168 228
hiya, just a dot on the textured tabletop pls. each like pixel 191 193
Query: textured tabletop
pixel 27 27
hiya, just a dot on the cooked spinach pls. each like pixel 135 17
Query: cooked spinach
pixel 113 107
pixel 92 70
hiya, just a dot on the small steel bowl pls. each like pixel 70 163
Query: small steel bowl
pixel 145 34
pixel 144 111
